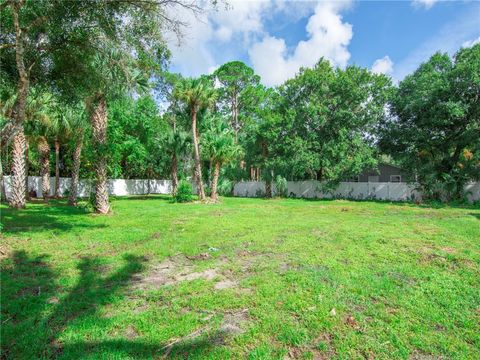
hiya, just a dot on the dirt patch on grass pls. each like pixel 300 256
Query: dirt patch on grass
pixel 180 268
pixel 226 284
pixel 420 355
pixel 202 256
pixel 449 250
pixel 4 251
pixel 130 332
pixel 172 271
pixel 155 235
pixel 225 272
pixel 233 324
pixel 320 349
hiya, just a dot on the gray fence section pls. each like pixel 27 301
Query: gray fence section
pixel 346 190
pixel 301 189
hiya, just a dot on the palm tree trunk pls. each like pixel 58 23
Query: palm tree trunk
pixel 27 168
pixel 3 195
pixel 17 198
pixel 72 200
pixel 99 119
pixel 216 174
pixel 198 165
pixel 174 174
pixel 57 168
pixel 44 151
pixel 210 173
pixel 268 188
pixel 15 130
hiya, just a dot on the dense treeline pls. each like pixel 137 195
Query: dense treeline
pixel 80 94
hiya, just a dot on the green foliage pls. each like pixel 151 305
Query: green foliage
pixel 134 132
pixel 196 94
pixel 238 93
pixel 281 186
pixel 435 129
pixel 218 141
pixel 184 192
pixel 225 187
pixel 328 122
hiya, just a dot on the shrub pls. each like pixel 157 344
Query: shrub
pixel 281 186
pixel 259 193
pixel 184 192
pixel 90 204
pixel 207 189
pixel 225 187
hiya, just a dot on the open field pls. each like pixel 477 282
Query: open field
pixel 248 278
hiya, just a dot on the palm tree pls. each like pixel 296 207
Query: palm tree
pixel 39 120
pixel 62 133
pixel 13 109
pixel 99 121
pixel 221 148
pixel 197 94
pixel 176 143
pixel 41 124
pixel 78 122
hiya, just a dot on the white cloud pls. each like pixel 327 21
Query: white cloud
pixel 328 36
pixel 192 56
pixel 195 53
pixel 383 65
pixel 242 17
pixel 225 34
pixel 470 43
pixel 427 4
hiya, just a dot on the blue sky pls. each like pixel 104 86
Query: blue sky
pixel 277 37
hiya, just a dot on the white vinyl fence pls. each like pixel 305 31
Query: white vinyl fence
pixel 346 190
pixel 119 187
pixel 301 189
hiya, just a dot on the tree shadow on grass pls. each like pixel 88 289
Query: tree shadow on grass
pixel 36 312
pixel 475 215
pixel 54 216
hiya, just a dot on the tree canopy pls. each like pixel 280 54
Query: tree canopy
pixel 434 128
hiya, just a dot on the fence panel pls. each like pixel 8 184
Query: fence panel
pixel 301 189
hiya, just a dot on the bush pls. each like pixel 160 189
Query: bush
pixel 90 203
pixel 225 187
pixel 281 186
pixel 184 192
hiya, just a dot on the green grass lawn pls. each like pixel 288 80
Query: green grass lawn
pixel 247 278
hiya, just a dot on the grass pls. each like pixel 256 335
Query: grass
pixel 248 278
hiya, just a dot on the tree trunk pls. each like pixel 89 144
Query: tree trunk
pixel 17 198
pixel 27 168
pixel 198 165
pixel 57 168
pixel 44 152
pixel 268 188
pixel 3 195
pixel 72 199
pixel 210 173
pixel 235 124
pixel 268 180
pixel 14 127
pixel 99 119
pixel 15 131
pixel 216 174
pixel 174 174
